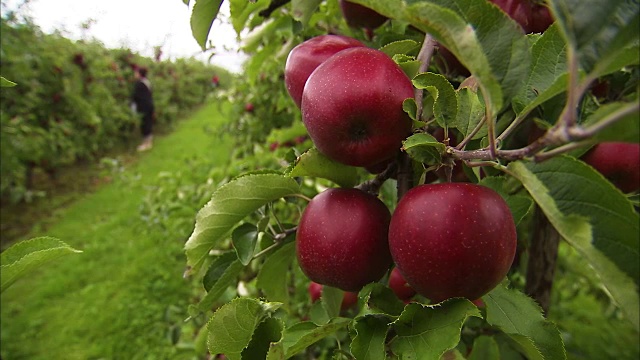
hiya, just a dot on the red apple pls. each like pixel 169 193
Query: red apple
pixel 306 57
pixel 359 16
pixel 399 285
pixel 532 16
pixel 352 107
pixel 249 107
pixel 619 162
pixel 349 299
pixel 452 240
pixel 315 291
pixel 342 239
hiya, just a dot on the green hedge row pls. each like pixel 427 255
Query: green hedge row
pixel 72 99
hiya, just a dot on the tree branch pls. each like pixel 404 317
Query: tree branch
pixel 373 186
pixel 273 6
pixel 424 56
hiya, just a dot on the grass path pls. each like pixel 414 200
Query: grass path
pixel 122 297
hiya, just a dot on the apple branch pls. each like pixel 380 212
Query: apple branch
pixel 273 6
pixel 424 57
pixel 559 136
pixel 373 186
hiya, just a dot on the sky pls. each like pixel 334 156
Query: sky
pixel 137 24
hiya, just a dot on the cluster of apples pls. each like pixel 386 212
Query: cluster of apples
pixel 446 240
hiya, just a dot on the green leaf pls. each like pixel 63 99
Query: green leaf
pixel 520 205
pixel 594 217
pixel 272 278
pixel 229 204
pixel 313 163
pixel 445 106
pixel 276 351
pixel 369 340
pixel 518 316
pixel 202 16
pixel 381 299
pixel 406 46
pixel 411 108
pixel 241 11
pixel 233 325
pixel 452 31
pixel 484 348
pixel 428 331
pixel 470 112
pixel 549 62
pixel 597 29
pixel 244 238
pixel 331 299
pixel 304 334
pixel 627 129
pixel 503 43
pixel 409 65
pixel 424 148
pixel 269 332
pixel 25 256
pixel 6 83
pixel 303 9
pixel 222 273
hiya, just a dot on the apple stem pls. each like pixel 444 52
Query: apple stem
pixel 278 239
pixel 473 133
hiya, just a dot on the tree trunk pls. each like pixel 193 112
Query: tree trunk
pixel 543 253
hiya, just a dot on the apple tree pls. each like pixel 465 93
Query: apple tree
pixel 453 145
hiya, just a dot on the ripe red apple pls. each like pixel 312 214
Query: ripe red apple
pixel 349 299
pixel 619 162
pixel 359 16
pixel 305 57
pixel 342 239
pixel 399 285
pixel 532 16
pixel 352 107
pixel 452 240
pixel 315 291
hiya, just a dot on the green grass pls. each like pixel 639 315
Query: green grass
pixel 121 297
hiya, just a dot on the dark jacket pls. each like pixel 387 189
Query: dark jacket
pixel 142 96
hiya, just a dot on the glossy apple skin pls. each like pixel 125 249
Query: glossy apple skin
pixel 352 107
pixel 342 239
pixel 306 56
pixel 349 299
pixel 532 17
pixel 452 240
pixel 619 162
pixel 399 285
pixel 359 16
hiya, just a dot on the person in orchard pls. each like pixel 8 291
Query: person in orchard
pixel 142 103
